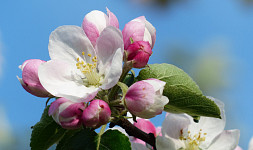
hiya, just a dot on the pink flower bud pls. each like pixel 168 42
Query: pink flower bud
pixel 144 98
pixel 95 22
pixel 139 52
pixel 66 113
pixel 96 114
pixel 30 80
pixel 139 29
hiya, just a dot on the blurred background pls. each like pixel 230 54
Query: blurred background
pixel 211 40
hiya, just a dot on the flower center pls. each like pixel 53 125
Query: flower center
pixel 89 70
pixel 192 142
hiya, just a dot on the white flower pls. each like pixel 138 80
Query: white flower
pixel 179 132
pixel 77 70
pixel 251 144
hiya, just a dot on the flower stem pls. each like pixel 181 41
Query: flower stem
pixel 102 130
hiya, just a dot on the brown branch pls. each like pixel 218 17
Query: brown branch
pixel 131 130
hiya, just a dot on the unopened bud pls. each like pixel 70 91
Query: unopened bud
pixel 66 113
pixel 30 80
pixel 96 114
pixel 144 98
pixel 139 52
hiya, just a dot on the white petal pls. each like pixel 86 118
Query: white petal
pixel 109 41
pixel 64 80
pixel 152 32
pixel 113 72
pixel 163 143
pixel 251 144
pixel 110 56
pixel 211 126
pixel 98 18
pixel 227 140
pixel 68 42
pixel 174 124
pixel 157 84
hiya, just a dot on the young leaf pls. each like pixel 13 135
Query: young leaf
pixel 87 140
pixel 183 93
pixel 46 132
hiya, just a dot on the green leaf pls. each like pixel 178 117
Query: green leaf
pixel 46 132
pixel 113 140
pixel 87 140
pixel 183 93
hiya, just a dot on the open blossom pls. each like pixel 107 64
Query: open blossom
pixel 77 70
pixel 96 21
pixel 179 132
pixel 96 114
pixel 139 29
pixel 144 98
pixel 30 80
pixel 66 113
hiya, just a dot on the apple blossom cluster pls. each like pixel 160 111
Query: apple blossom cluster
pixel 87 77
pixel 86 63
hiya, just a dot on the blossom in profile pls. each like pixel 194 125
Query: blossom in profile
pixel 180 132
pixel 66 113
pixel 77 70
pixel 96 114
pixel 144 98
pixel 30 80
pixel 96 21
pixel 139 29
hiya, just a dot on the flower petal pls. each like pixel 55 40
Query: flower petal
pixel 209 125
pixel 152 32
pixel 174 124
pixel 227 140
pixel 113 72
pixel 163 143
pixel 64 80
pixel 134 30
pixel 68 42
pixel 113 21
pixel 110 55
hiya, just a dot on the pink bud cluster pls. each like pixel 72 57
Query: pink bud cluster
pixel 138 35
pixel 72 115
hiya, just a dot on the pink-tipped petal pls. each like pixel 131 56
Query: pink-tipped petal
pixel 134 30
pixel 113 21
pixel 30 80
pixel 55 105
pixel 91 31
pixel 139 96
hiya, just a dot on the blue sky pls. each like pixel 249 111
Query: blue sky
pixel 25 27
